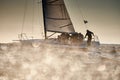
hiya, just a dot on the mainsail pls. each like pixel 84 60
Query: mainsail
pixel 56 17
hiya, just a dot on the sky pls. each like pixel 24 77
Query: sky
pixel 103 18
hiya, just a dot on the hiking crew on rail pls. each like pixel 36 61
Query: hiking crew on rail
pixel 75 38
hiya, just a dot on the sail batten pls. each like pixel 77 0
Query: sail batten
pixel 56 17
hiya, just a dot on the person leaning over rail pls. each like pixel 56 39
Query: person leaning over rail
pixel 89 38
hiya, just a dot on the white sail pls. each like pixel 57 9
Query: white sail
pixel 56 18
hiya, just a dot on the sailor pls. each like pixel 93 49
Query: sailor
pixel 63 38
pixel 80 37
pixel 89 34
pixel 67 36
pixel 74 38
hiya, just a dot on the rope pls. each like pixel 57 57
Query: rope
pixel 32 19
pixel 83 17
pixel 23 23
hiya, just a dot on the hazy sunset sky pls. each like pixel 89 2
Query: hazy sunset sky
pixel 103 18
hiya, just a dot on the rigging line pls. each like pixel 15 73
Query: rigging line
pixel 51 35
pixel 32 18
pixel 23 23
pixel 40 2
pixel 61 8
pixel 65 10
pixel 83 17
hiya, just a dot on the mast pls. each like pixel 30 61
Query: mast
pixel 44 23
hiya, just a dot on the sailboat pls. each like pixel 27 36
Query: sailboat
pixel 56 20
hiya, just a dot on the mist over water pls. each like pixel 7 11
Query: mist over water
pixel 58 62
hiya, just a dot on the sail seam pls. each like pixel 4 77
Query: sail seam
pixel 65 25
pixel 58 18
pixel 53 1
pixel 60 31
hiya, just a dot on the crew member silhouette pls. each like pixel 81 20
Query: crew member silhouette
pixel 89 38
